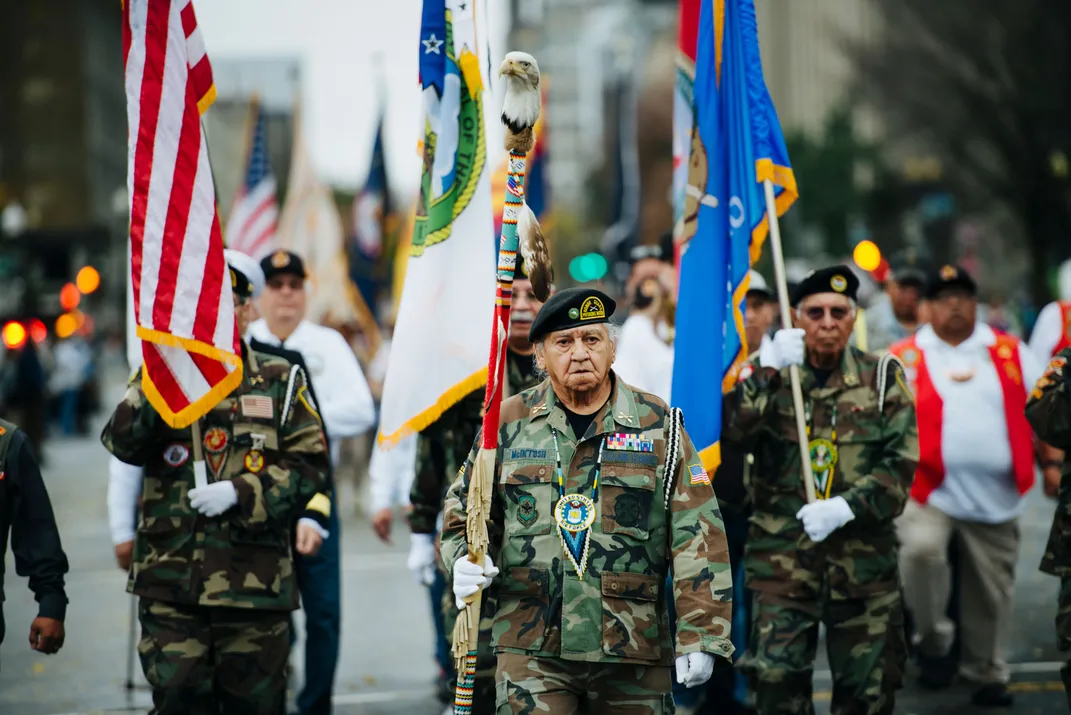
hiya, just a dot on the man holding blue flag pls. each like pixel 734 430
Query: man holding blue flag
pixel 834 560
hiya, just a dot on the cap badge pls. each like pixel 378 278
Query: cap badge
pixel 838 283
pixel 592 309
pixel 234 280
pixel 280 259
pixel 574 313
pixel 948 273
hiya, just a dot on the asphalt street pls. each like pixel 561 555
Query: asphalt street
pixel 386 666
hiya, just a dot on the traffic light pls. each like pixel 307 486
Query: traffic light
pixel 588 267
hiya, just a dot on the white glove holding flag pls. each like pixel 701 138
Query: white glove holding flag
pixel 694 669
pixel 824 517
pixel 422 558
pixel 214 499
pixel 469 578
pixel 786 348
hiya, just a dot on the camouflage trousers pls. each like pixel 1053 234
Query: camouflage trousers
pixel 1063 631
pixel 865 642
pixel 529 685
pixel 483 693
pixel 214 661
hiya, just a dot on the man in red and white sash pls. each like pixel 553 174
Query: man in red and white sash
pixel 976 461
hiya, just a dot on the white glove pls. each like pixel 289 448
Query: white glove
pixel 469 578
pixel 824 517
pixel 214 499
pixel 422 558
pixel 694 669
pixel 786 348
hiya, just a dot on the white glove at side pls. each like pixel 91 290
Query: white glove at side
pixel 469 578
pixel 214 499
pixel 786 348
pixel 422 558
pixel 824 517
pixel 694 669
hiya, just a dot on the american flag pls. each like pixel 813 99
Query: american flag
pixel 253 219
pixel 182 294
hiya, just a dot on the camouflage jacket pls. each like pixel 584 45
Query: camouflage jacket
pixel 241 559
pixel 1048 410
pixel 877 450
pixel 443 445
pixel 617 611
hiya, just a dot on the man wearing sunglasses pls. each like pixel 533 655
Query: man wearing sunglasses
pixel 833 561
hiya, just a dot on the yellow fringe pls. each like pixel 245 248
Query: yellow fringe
pixel 711 458
pixel 206 101
pixel 195 410
pixel 448 399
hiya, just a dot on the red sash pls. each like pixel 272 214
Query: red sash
pixel 1065 326
pixel 930 415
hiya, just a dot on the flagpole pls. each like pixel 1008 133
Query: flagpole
pixel 786 323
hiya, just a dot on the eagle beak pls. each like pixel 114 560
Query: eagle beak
pixel 508 67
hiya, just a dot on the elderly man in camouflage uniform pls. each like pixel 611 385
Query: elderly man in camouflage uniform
pixel 599 493
pixel 833 561
pixel 441 450
pixel 1049 412
pixel 213 565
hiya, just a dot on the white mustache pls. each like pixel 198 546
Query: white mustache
pixel 522 316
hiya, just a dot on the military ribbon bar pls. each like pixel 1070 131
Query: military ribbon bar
pixel 629 443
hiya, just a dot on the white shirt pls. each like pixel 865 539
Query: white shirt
pixel 124 486
pixel 644 361
pixel 1048 330
pixel 979 484
pixel 342 392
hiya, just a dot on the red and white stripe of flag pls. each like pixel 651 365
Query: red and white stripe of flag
pixel 252 224
pixel 182 293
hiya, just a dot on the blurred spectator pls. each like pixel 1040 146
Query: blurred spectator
pixel 73 360
pixel 895 316
pixel 22 393
pixel 644 357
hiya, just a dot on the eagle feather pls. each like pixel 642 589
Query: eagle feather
pixel 535 252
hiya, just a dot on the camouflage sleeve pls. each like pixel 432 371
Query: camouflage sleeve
pixel 746 407
pixel 880 495
pixel 278 491
pixel 129 432
pixel 454 542
pixel 702 577
pixel 1048 408
pixel 425 496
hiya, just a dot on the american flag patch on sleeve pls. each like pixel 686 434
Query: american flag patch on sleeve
pixel 257 406
pixel 698 475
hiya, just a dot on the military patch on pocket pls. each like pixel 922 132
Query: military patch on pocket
pixel 526 509
pixel 627 510
pixel 175 455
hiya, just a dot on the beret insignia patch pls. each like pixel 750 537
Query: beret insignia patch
pixel 838 283
pixel 592 309
pixel 574 313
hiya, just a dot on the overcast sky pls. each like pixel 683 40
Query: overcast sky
pixel 336 41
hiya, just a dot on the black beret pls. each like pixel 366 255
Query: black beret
pixel 835 279
pixel 571 308
pixel 282 262
pixel 240 283
pixel 950 276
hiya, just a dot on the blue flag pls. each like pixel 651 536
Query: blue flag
pixel 736 145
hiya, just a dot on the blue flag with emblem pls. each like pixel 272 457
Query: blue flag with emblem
pixel 736 145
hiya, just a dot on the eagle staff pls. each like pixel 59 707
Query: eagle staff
pixel 520 230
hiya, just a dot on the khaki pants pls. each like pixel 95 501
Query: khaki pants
pixel 989 553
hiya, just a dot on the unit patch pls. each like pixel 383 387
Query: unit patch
pixel 254 461
pixel 526 509
pixel 175 455
pixel 627 510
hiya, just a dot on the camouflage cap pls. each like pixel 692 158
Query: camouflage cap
pixel 572 308
pixel 835 279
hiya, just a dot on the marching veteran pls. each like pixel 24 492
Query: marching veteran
pixel 212 565
pixel 833 561
pixel 1049 411
pixel 599 494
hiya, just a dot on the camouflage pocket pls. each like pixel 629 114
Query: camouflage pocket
pixel 630 627
pixel 523 609
pixel 626 501
pixel 528 493
pixel 163 554
pixel 255 571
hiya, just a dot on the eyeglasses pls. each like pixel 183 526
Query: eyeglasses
pixel 294 284
pixel 836 312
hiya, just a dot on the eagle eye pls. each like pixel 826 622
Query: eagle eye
pixel 525 63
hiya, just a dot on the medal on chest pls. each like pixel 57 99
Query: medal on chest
pixel 575 515
pixel 216 442
pixel 823 454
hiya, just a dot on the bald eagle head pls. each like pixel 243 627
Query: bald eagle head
pixel 520 110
